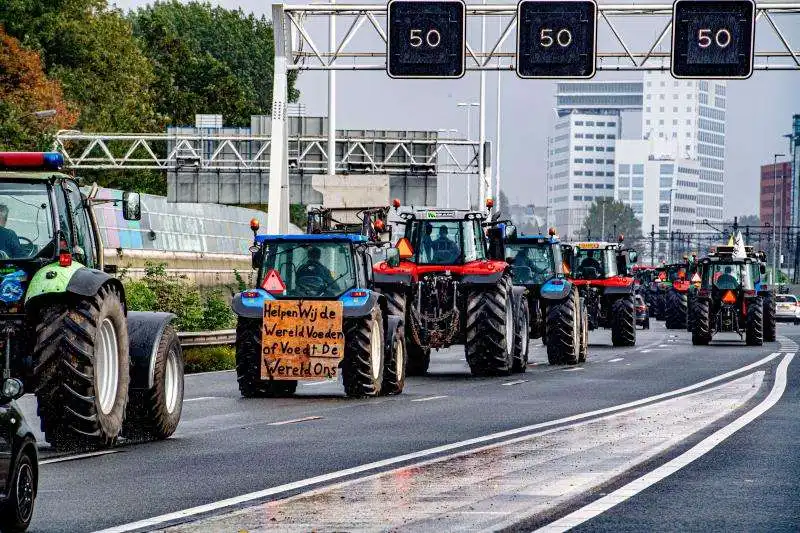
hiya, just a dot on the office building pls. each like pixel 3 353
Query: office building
pixel 776 190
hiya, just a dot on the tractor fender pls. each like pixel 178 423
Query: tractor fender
pixel 618 289
pixel 250 307
pixel 483 279
pixel 555 289
pixel 74 279
pixel 144 334
pixel 356 307
pixel 391 279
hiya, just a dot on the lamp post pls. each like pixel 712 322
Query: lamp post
pixel 774 190
pixel 470 105
pixel 451 130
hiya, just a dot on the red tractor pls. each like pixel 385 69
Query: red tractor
pixel 600 270
pixel 450 291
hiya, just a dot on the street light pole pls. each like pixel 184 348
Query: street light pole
pixel 469 105
pixel 774 190
pixel 447 179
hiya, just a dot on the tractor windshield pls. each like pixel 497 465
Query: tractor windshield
pixel 308 269
pixel 728 276
pixel 26 224
pixel 446 242
pixel 531 263
pixel 594 263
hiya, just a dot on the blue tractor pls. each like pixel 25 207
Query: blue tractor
pixel 327 267
pixel 555 312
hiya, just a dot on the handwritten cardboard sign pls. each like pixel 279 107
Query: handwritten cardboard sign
pixel 301 340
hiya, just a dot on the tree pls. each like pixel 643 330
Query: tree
pixel 24 89
pixel 208 60
pixel 607 216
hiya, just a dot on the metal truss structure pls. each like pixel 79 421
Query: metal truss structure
pixel 306 154
pixel 304 50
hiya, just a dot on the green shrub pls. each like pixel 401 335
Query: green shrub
pixel 209 359
pixel 139 296
pixel 217 313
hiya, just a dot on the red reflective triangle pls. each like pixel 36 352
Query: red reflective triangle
pixel 273 283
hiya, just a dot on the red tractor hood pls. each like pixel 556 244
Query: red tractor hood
pixel 486 267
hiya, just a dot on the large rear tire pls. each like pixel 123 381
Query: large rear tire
pixel 419 357
pixel 584 333
pixel 770 314
pixel 394 371
pixel 563 330
pixel 248 364
pixel 155 413
pixel 521 337
pixel 489 342
pixel 701 322
pixel 675 309
pixel 623 322
pixel 754 335
pixel 82 370
pixel 363 364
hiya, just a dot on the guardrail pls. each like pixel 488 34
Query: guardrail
pixel 196 339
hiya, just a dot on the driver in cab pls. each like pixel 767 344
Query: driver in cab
pixel 590 262
pixel 443 247
pixel 312 268
pixel 9 241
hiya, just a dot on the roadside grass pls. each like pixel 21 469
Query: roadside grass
pixel 209 359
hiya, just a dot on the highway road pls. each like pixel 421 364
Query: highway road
pixel 523 452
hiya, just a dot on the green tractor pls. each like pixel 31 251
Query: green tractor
pixel 98 371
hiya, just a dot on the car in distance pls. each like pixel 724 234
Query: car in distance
pixel 787 308
pixel 19 462
pixel 642 312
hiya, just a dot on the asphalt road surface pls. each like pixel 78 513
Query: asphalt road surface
pixel 227 446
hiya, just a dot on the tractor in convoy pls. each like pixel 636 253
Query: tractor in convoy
pixel 372 222
pixel 98 371
pixel 600 271
pixel 555 311
pixel 758 267
pixel 314 315
pixel 727 300
pixel 676 295
pixel 450 291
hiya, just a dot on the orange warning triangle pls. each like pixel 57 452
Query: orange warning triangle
pixel 404 248
pixel 273 283
pixel 696 278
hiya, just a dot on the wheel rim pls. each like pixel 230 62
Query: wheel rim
pixel 525 334
pixel 375 349
pixel 106 369
pixel 171 381
pixel 24 490
pixel 509 326
pixel 400 361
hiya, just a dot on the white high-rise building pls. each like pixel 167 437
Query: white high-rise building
pixel 691 113
pixel 660 187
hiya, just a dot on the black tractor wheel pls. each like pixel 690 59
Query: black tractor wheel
pixel 563 330
pixel 82 370
pixel 394 371
pixel 690 297
pixel 754 334
pixel 535 318
pixel 248 364
pixel 770 313
pixel 584 333
pixel 17 510
pixel 675 309
pixel 521 337
pixel 419 357
pixel 490 322
pixel 155 413
pixel 363 364
pixel 623 321
pixel 701 322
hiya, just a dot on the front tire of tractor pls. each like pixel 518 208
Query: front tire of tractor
pixel 623 322
pixel 489 342
pixel 363 364
pixel 521 338
pixel 701 322
pixel 418 357
pixel 394 372
pixel 155 413
pixel 675 309
pixel 563 330
pixel 82 369
pixel 770 313
pixel 754 335
pixel 248 364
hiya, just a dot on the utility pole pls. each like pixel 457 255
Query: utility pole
pixel 774 191
pixel 497 125
pixel 652 244
pixel 332 97
pixel 483 190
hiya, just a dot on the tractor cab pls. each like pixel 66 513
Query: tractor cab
pixel 597 260
pixel 443 237
pixel 534 259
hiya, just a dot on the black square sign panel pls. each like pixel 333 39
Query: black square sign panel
pixel 556 39
pixel 713 38
pixel 426 39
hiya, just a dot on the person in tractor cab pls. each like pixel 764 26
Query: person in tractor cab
pixel 427 240
pixel 313 268
pixel 590 262
pixel 445 250
pixel 726 280
pixel 9 241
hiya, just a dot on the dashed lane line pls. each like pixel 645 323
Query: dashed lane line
pixel 295 421
pixel 517 382
pixel 78 456
pixel 201 398
pixel 429 398
pixel 616 359
pixel 574 369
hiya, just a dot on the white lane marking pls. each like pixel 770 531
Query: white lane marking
pixel 149 523
pixel 207 373
pixel 517 382
pixel 429 398
pixel 573 369
pixel 663 345
pixel 77 457
pixel 200 398
pixel 636 486
pixel 616 359
pixel 645 351
pixel 295 420
pixel 320 383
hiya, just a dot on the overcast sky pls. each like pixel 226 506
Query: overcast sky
pixel 759 109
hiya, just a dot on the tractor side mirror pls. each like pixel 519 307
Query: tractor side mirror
pixel 495 236
pixel 633 256
pixel 511 232
pixel 257 256
pixel 622 264
pixel 131 205
pixel 393 257
pixel 762 269
pixel 11 390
